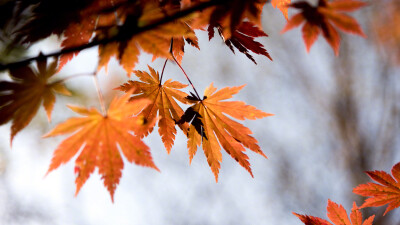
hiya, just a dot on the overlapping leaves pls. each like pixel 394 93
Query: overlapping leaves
pixel 211 127
pixel 117 28
pixel 243 39
pixel 163 102
pixel 123 29
pixel 230 14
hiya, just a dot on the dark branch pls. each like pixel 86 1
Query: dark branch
pixel 122 36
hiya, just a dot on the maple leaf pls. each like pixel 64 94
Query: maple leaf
pixel 95 16
pixel 387 191
pixel 21 98
pixel 385 27
pixel 76 34
pixel 48 17
pixel 243 39
pixel 210 127
pixel 155 41
pixel 325 17
pixel 281 5
pixel 337 214
pixel 99 137
pixel 230 15
pixel 163 102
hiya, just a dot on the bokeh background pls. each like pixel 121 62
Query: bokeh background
pixel 335 117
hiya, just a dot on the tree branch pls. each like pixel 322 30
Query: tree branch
pixel 122 36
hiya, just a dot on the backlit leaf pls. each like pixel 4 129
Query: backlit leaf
pixel 102 139
pixel 163 97
pixel 385 191
pixel 211 127
pixel 281 5
pixel 337 214
pixel 231 14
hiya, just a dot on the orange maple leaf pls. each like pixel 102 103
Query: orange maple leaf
pixel 386 192
pixel 21 98
pixel 243 39
pixel 155 41
pixel 325 17
pixel 163 102
pixel 337 214
pixel 210 127
pixel 230 15
pixel 99 137
pixel 385 26
pixel 76 34
pixel 281 5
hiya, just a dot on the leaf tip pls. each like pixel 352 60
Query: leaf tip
pixel 216 177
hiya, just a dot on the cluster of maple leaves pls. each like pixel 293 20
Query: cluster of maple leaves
pixel 123 29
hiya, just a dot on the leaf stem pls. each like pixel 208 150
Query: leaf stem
pixel 100 95
pixel 187 77
pixel 74 76
pixel 162 72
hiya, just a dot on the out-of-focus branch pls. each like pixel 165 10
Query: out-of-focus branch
pixel 122 36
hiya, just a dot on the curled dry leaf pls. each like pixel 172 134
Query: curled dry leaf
pixel 163 101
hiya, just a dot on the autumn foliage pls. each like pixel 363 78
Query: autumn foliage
pixel 337 214
pixel 326 17
pixel 385 192
pixel 124 30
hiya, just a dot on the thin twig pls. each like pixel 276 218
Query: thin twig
pixel 74 76
pixel 162 72
pixel 100 95
pixel 187 77
pixel 122 36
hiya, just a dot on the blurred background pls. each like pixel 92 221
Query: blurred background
pixel 335 117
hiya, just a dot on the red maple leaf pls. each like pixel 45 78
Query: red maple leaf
pixel 281 5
